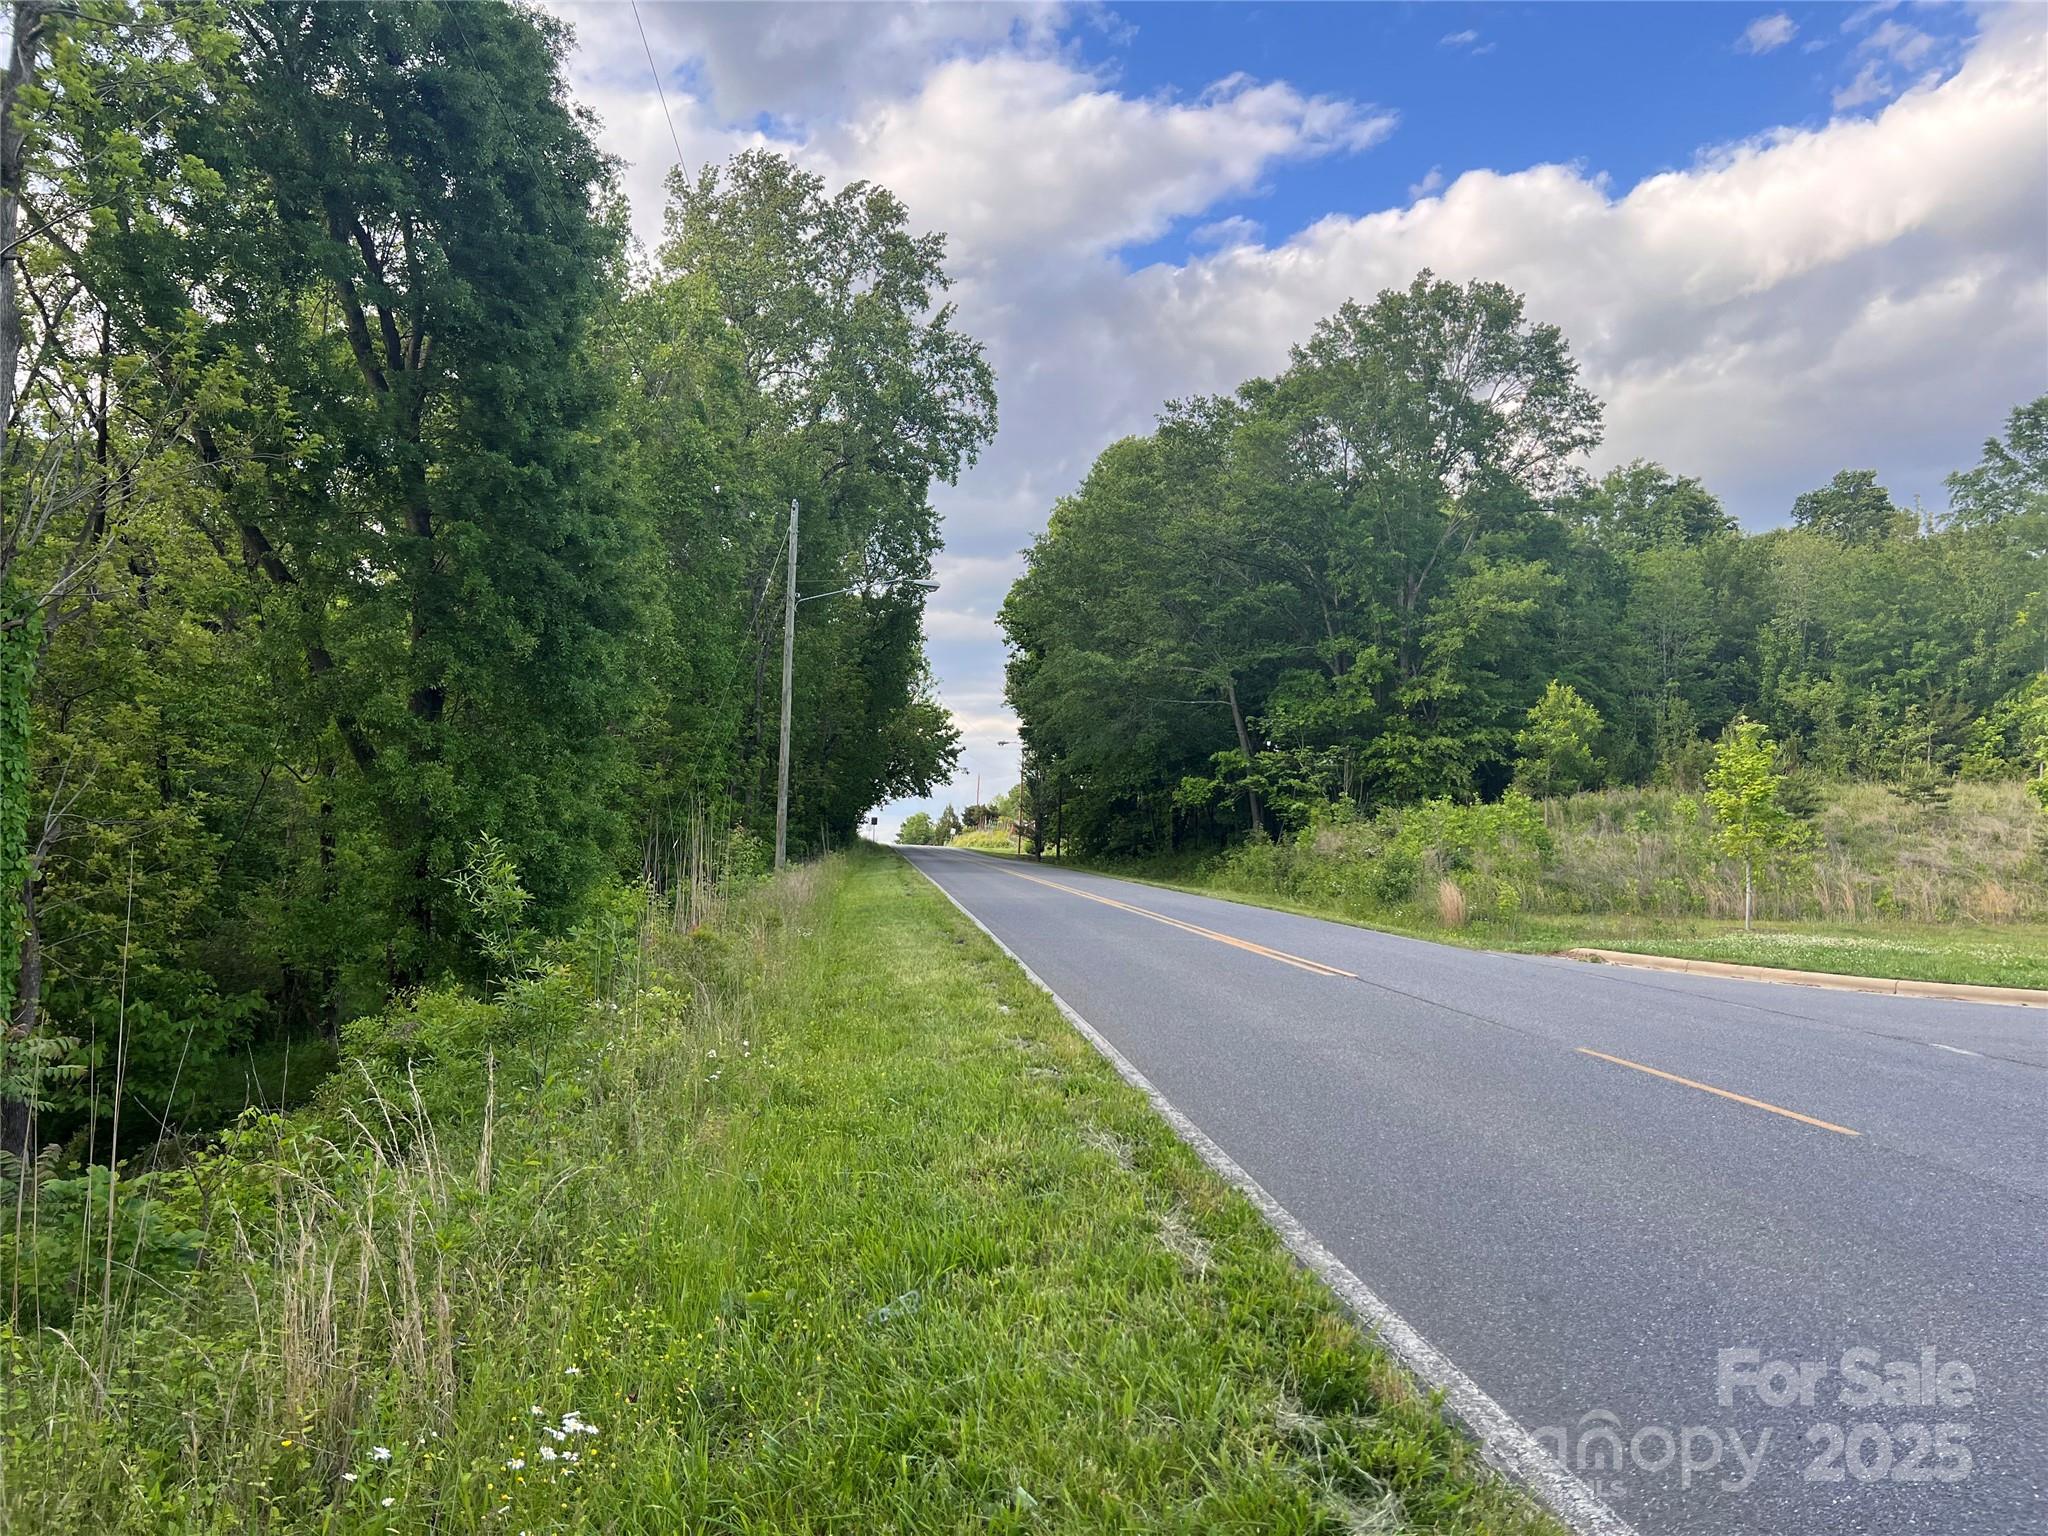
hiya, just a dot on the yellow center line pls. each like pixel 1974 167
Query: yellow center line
pixel 1208 933
pixel 1673 1077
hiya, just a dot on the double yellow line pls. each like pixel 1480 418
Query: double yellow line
pixel 1232 940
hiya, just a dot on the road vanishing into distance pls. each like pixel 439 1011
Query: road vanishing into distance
pixel 1755 1258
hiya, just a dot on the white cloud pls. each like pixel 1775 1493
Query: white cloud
pixel 1767 33
pixel 1863 15
pixel 1013 153
pixel 1432 180
pixel 1903 45
pixel 1463 39
pixel 1872 83
pixel 1235 230
pixel 800 63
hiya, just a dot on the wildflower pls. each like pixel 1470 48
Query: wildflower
pixel 535 1410
pixel 380 1453
pixel 516 1464
pixel 388 1501
pixel 572 1370
pixel 348 1477
pixel 548 1453
pixel 553 1433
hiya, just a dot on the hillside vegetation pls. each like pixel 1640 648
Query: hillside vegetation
pixel 1870 883
pixel 1868 855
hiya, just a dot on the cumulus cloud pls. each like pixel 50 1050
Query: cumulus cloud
pixel 1014 154
pixel 1767 33
pixel 802 63
pixel 1464 39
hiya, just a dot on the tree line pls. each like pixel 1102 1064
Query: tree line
pixel 1380 577
pixel 372 504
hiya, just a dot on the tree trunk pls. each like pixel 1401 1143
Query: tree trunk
pixel 1244 745
pixel 1748 887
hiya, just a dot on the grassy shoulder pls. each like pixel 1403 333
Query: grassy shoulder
pixel 2001 954
pixel 2009 955
pixel 820 1218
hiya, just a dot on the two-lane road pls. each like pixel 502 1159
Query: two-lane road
pixel 1648 1214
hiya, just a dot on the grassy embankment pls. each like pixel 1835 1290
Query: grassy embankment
pixel 986 840
pixel 819 1218
pixel 1955 892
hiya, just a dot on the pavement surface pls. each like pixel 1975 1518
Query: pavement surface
pixel 1753 1258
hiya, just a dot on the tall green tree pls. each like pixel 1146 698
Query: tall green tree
pixel 1852 508
pixel 850 389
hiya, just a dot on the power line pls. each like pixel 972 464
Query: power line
pixel 658 91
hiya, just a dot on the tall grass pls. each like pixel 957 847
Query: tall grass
pixel 1868 854
pixel 359 1301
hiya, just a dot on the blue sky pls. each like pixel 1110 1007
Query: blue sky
pixel 1782 240
pixel 1626 89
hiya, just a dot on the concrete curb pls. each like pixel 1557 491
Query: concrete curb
pixel 1953 991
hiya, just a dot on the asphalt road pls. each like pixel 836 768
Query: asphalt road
pixel 1597 1245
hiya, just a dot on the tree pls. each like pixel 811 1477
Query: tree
pixel 1330 587
pixel 947 827
pixel 1742 792
pixel 1852 508
pixel 78 448
pixel 1556 747
pixel 813 321
pixel 1643 505
pixel 2011 479
pixel 917 829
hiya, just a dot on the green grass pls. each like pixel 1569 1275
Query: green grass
pixel 2002 954
pixel 2010 955
pixel 823 1217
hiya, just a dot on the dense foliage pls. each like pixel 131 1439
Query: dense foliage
pixel 369 503
pixel 1377 580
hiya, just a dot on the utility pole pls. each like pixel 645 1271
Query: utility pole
pixel 788 669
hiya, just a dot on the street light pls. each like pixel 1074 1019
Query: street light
pixel 789 667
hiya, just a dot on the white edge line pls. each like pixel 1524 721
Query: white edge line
pixel 1502 1440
